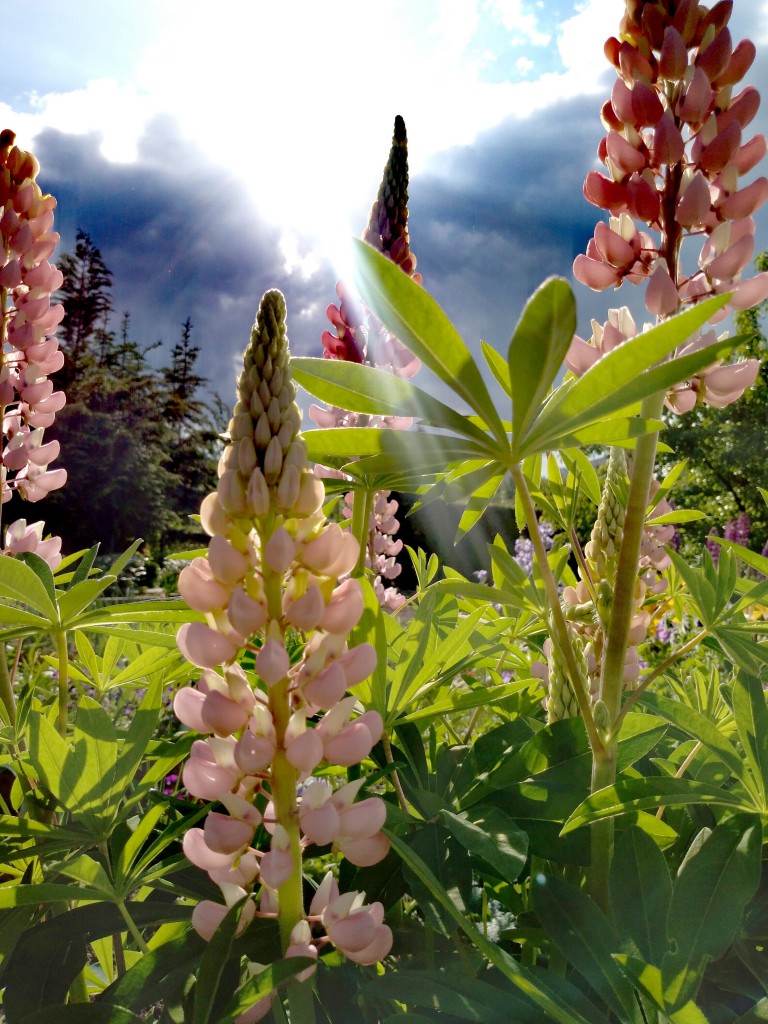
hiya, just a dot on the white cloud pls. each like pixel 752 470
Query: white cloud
pixel 524 27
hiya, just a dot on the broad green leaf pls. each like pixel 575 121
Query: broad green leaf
pixel 19 582
pixel 717 881
pixel 83 1013
pixel 88 657
pixel 85 565
pixel 751 714
pixel 701 729
pixel 492 836
pixel 78 597
pixel 159 973
pixel 20 895
pixel 624 375
pixel 541 993
pixel 655 791
pixel 458 701
pixel 579 929
pixel 480 499
pixel 378 392
pixel 647 978
pixel 539 344
pixel 498 366
pixel 411 314
pixel 117 567
pixel 750 558
pixel 260 984
pixel 640 890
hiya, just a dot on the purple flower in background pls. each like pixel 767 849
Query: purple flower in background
pixel 737 530
pixel 524 554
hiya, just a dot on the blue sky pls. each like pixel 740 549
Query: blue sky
pixel 213 151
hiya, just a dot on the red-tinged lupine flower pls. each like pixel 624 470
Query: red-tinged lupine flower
pixel 674 152
pixel 269 583
pixel 29 347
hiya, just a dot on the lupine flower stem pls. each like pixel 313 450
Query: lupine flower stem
pixel 63 658
pixel 622 610
pixel 560 627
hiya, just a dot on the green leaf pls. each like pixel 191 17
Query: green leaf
pixel 378 392
pixel 158 975
pixel 751 714
pixel 498 366
pixel 622 377
pixel 539 991
pixel 117 567
pixel 261 984
pixel 700 728
pixel 416 319
pixel 213 971
pixel 491 835
pixel 83 1013
pixel 717 881
pixel 22 895
pixel 578 928
pixel 19 582
pixel 655 791
pixel 647 979
pixel 539 344
pixel 640 890
pixel 78 597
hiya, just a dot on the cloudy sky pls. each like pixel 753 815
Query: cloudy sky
pixel 215 150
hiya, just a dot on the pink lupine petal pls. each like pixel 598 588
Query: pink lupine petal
pixel 200 854
pixel 188 706
pixel 374 724
pixel 213 518
pixel 199 589
pixel 306 612
pixel 203 646
pixel 327 687
pixel 276 867
pixel 272 662
pixel 742 108
pixel 750 292
pixel 205 780
pixel 696 99
pixel 321 552
pixel 715 58
pixel 646 105
pixel 673 58
pixel 246 615
pixel 721 150
pixel 305 752
pixel 668 146
pixel 206 918
pixel 254 753
pixel 612 247
pixel 732 261
pixel 604 192
pixel 594 273
pixel 661 296
pixel 349 746
pixel 327 892
pixel 364 853
pixel 358 663
pixel 302 949
pixel 223 715
pixel 226 835
pixel 725 380
pixel 363 819
pixel 279 551
pixel 741 61
pixel 354 932
pixel 624 155
pixel 376 951
pixel 227 564
pixel 746 201
pixel 321 824
pixel 346 558
pixel 694 204
pixel 343 611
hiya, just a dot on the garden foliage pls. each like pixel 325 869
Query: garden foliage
pixel 539 796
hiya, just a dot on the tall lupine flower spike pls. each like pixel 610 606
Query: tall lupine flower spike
pixel 674 152
pixel 269 584
pixel 359 337
pixel 30 350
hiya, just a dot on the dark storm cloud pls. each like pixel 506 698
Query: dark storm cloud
pixel 182 241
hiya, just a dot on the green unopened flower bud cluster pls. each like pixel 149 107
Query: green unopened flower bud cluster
pixel 561 698
pixel 602 550
pixel 265 453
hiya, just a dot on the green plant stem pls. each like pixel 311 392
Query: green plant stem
pixel 396 783
pixel 6 688
pixel 78 990
pixel 60 639
pixel 361 526
pixel 622 611
pixel 561 637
